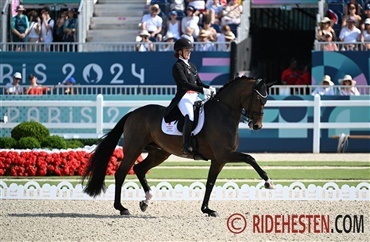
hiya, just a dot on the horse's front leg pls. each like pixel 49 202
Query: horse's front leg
pixel 214 170
pixel 240 157
pixel 154 158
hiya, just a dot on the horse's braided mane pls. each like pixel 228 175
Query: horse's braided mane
pixel 236 79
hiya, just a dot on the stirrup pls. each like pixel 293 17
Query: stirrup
pixel 187 149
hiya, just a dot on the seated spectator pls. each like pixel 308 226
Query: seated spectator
pixel 188 34
pixel 34 30
pixel 69 82
pixel 365 35
pixel 357 5
pixel 352 13
pixel 173 25
pixel 14 87
pixel 169 39
pixel 291 74
pixel 198 5
pixel 153 23
pixel 326 88
pixel 19 26
pixel 212 33
pixel 190 21
pixel 204 43
pixel 177 5
pixel 325 27
pixel 366 14
pixel 350 34
pixel 305 78
pixel 226 37
pixel 232 13
pixel 349 89
pixel 329 45
pixel 145 44
pixel 214 11
pixel 34 88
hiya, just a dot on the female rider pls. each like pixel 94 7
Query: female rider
pixel 188 86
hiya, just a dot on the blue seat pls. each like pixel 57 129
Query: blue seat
pixel 180 14
pixel 234 29
pixel 216 27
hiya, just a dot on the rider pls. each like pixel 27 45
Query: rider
pixel 188 86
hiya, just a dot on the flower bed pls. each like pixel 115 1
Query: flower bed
pixel 52 163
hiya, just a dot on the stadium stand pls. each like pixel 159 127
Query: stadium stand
pixel 115 21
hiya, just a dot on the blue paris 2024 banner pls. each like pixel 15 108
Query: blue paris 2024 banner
pixel 111 68
pixel 336 64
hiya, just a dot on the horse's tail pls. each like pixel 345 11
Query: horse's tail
pixel 98 162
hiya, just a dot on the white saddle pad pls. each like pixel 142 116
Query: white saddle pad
pixel 171 128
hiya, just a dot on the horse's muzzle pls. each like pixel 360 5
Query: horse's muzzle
pixel 254 126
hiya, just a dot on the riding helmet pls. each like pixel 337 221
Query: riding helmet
pixel 182 43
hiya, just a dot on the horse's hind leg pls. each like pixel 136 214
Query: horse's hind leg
pixel 120 176
pixel 155 157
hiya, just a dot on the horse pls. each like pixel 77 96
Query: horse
pixel 217 141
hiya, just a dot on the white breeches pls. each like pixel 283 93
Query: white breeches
pixel 186 104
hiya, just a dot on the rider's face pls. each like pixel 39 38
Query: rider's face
pixel 186 53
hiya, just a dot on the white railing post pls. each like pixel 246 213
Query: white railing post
pixel 99 114
pixel 316 124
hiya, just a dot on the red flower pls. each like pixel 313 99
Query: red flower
pixel 63 163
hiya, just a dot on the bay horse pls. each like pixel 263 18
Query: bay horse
pixel 217 141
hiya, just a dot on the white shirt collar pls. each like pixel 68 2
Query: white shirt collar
pixel 185 61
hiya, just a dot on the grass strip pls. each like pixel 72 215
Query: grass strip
pixel 272 163
pixel 328 174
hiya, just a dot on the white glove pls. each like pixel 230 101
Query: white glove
pixel 213 90
pixel 207 92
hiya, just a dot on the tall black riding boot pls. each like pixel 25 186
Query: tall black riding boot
pixel 186 132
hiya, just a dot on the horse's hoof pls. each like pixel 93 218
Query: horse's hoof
pixel 213 214
pixel 269 185
pixel 210 212
pixel 125 212
pixel 143 206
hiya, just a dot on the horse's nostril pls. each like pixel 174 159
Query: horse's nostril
pixel 256 126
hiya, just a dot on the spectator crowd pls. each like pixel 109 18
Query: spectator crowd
pixel 350 32
pixel 38 29
pixel 211 22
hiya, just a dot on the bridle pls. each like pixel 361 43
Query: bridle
pixel 263 99
pixel 247 112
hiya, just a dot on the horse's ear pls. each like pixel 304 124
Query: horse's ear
pixel 270 84
pixel 259 83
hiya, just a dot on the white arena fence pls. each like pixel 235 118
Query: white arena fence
pixel 165 191
pixel 282 90
pixel 100 103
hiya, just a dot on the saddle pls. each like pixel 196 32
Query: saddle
pixel 176 127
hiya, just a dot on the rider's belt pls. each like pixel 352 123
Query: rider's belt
pixel 191 92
